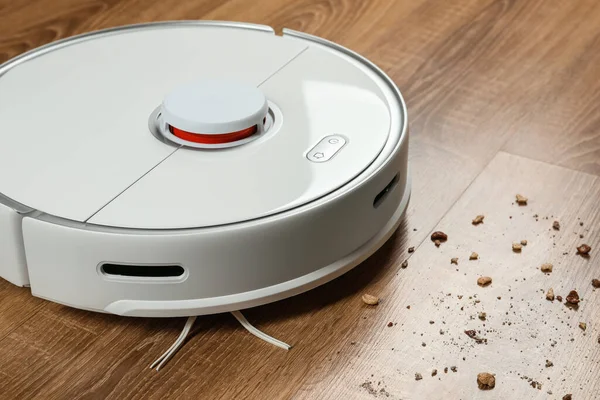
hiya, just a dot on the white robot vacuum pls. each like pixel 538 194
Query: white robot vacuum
pixel 189 168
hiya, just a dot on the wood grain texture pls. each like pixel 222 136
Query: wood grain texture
pixel 478 76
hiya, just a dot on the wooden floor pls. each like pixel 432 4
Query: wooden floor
pixel 503 98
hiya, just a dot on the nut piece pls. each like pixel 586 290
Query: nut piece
pixel 546 268
pixel 455 262
pixel 474 256
pixel 583 326
pixel 484 281
pixel 584 250
pixel 521 200
pixel 437 235
pixel 517 247
pixel 524 242
pixel 482 316
pixel 437 243
pixel 573 297
pixel 370 299
pixel 556 225
pixel 478 220
pixel 486 381
pixel 596 283
pixel 418 376
pixel 550 294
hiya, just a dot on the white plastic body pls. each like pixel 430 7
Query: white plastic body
pixel 246 257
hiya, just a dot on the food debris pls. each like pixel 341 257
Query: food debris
pixel 482 316
pixel 404 264
pixel 524 242
pixel 484 281
pixel 584 250
pixel 478 220
pixel 437 243
pixel 473 256
pixel 455 261
pixel 473 335
pixel 596 283
pixel 559 298
pixel 568 397
pixel 546 268
pixel 370 299
pixel 411 249
pixel 453 369
pixel 549 364
pixel 573 297
pixel 521 200
pixel 486 381
pixel 445 370
pixel 390 324
pixel 517 247
pixel 583 326
pixel 418 376
pixel 434 372
pixel 437 235
pixel 550 294
pixel 556 225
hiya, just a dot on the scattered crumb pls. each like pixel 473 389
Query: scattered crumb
pixel 521 200
pixel 584 250
pixel 524 242
pixel 474 256
pixel 370 299
pixel 418 376
pixel 369 387
pixel 559 298
pixel 482 316
pixel 473 335
pixel 581 236
pixel 437 235
pixel 390 324
pixel 546 268
pixel 437 243
pixel 596 283
pixel 581 224
pixel 583 326
pixel 556 225
pixel 484 281
pixel 454 261
pixel 423 344
pixel 411 249
pixel 549 364
pixel 567 397
pixel 453 369
pixel 478 220
pixel 445 370
pixel 550 294
pixel 404 264
pixel 434 372
pixel 408 307
pixel 432 322
pixel 517 247
pixel 573 297
pixel 486 381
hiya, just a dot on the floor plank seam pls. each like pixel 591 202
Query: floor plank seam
pixel 37 310
pixel 547 163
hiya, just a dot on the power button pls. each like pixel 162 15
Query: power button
pixel 326 148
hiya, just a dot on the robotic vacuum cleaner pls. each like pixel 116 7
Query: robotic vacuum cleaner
pixel 194 167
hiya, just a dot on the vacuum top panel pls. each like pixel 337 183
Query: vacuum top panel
pixel 102 128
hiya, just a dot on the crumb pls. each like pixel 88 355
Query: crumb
pixel 482 316
pixel 434 372
pixel 568 397
pixel 584 250
pixel 370 300
pixel 546 268
pixel 418 376
pixel 549 364
pixel 441 331
pixel 550 294
pixel 596 283
pixel 404 264
pixel 581 224
pixel 517 247
pixel 408 307
pixel 524 242
pixel 478 220
pixel 559 298
pixel 369 387
pixel 453 369
pixel 432 322
pixel 581 236
pixel 573 297
pixel 390 324
pixel 437 243
pixel 423 344
pixel 583 326
pixel 411 249
pixel 454 261
pixel 484 281
pixel 499 297
pixel 556 225
pixel 474 256
pixel 486 381
pixel 437 235
pixel 445 370
pixel 521 200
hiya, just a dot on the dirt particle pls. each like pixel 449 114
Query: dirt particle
pixel 596 283
pixel 521 200
pixel 524 242
pixel 549 364
pixel 423 344
pixel 408 307
pixel 454 261
pixel 482 316
pixel 478 220
pixel 484 281
pixel 573 297
pixel 486 381
pixel 559 298
pixel 583 326
pixel 517 247
pixel 418 376
pixel 453 369
pixel 370 299
pixel 550 294
pixel 546 268
pixel 584 250
pixel 474 256
pixel 556 225
pixel 445 370
pixel 390 324
pixel 434 372
pixel 568 397
pixel 404 264
pixel 411 249
pixel 438 235
pixel 369 387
